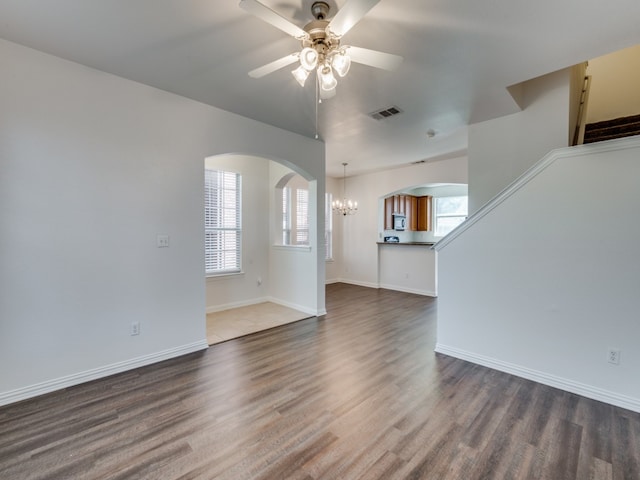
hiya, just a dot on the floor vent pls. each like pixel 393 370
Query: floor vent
pixel 385 113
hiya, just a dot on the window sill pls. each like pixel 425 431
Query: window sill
pixel 295 248
pixel 223 275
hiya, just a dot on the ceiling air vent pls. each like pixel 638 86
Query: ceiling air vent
pixel 385 113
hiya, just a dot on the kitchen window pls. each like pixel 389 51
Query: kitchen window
pixel 449 212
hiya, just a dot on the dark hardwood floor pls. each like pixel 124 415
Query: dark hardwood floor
pixel 358 394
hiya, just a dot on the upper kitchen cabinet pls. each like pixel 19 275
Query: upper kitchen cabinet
pixel 388 212
pixel 411 209
pixel 417 211
pixel 424 222
pixel 422 214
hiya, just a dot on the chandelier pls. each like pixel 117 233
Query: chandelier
pixel 344 206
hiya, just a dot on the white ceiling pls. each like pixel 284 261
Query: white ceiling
pixel 459 57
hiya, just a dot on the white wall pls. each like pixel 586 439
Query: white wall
pixel 547 281
pixel 93 167
pixel 359 262
pixel 614 85
pixel 500 150
pixel 408 268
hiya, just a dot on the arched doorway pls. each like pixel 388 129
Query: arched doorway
pixel 268 270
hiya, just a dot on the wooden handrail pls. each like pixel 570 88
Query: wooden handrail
pixel 578 136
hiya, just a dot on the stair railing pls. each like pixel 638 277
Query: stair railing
pixel 578 136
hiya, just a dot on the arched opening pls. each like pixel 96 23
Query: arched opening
pixel 410 221
pixel 259 269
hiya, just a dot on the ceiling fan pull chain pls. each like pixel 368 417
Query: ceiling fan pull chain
pixel 316 102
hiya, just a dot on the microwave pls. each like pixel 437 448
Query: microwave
pixel 399 222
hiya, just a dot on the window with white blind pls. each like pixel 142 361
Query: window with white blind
pixel 222 218
pixel 286 215
pixel 302 217
pixel 295 216
pixel 328 227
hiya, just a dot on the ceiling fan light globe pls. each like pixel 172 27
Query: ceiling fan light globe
pixel 325 77
pixel 308 58
pixel 300 74
pixel 341 63
pixel 327 94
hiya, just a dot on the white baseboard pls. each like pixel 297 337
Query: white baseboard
pixel 360 284
pixel 242 303
pixel 96 373
pixel 300 308
pixel 416 291
pixel 255 301
pixel 397 288
pixel 565 384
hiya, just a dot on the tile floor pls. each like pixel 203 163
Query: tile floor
pixel 237 322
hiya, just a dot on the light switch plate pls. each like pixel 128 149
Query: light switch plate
pixel 162 241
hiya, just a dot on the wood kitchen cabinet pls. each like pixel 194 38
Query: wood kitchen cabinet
pixel 411 211
pixel 388 213
pixel 424 213
pixel 416 209
pixel 406 205
pixel 399 203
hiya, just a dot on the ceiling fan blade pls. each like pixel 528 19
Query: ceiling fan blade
pixel 273 66
pixel 352 12
pixel 265 13
pixel 373 58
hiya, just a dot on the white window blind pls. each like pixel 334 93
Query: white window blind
pixel 223 227
pixel 286 215
pixel 302 217
pixel 328 227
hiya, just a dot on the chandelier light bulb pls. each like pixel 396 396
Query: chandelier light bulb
pixel 345 207
pixel 341 63
pixel 308 58
pixel 326 78
pixel 300 74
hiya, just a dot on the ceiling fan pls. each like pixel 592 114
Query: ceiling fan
pixel 320 39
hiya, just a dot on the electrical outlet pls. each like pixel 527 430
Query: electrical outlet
pixel 613 356
pixel 135 328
